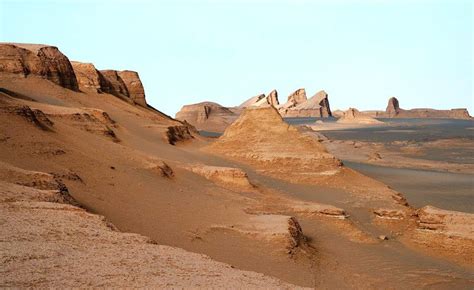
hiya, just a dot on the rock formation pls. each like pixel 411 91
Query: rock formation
pixel 393 107
pixel 207 116
pixel 89 78
pixel 123 84
pixel 272 98
pixel 41 60
pixel 277 229
pixel 232 178
pixel 355 117
pixel 393 110
pixel 299 106
pixel 261 137
pixel 294 99
pixel 262 100
pixel 117 85
pixel 134 86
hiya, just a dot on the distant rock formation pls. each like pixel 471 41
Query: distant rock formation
pixel 200 115
pixel 338 113
pixel 394 111
pixel 393 107
pixel 353 116
pixel 41 60
pixel 207 116
pixel 261 100
pixel 294 99
pixel 298 106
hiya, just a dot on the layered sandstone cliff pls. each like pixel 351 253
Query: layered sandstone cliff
pixel 89 78
pixel 41 60
pixel 134 86
pixel 123 84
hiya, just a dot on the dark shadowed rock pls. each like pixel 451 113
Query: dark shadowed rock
pixel 117 85
pixel 41 60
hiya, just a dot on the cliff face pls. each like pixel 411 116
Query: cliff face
pixel 117 85
pixel 134 85
pixel 89 78
pixel 42 60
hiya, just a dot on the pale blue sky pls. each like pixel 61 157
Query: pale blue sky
pixel 186 51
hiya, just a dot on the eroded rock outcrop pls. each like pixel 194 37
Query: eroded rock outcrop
pixel 89 78
pixel 295 98
pixel 393 110
pixel 393 107
pixel 233 178
pixel 284 231
pixel 134 86
pixel 353 116
pixel 299 106
pixel 36 59
pixel 117 85
pixel 261 100
pixel 33 116
pixel 178 133
pixel 123 84
pixel 207 116
pixel 445 232
pixel 261 137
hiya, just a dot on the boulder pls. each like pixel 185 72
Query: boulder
pixel 41 60
pixel 134 86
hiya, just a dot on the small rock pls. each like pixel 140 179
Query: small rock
pixel 383 237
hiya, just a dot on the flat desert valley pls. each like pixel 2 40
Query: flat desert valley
pixel 100 189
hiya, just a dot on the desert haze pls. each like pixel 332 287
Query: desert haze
pixel 100 189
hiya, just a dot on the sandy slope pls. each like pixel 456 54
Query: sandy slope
pixel 124 167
